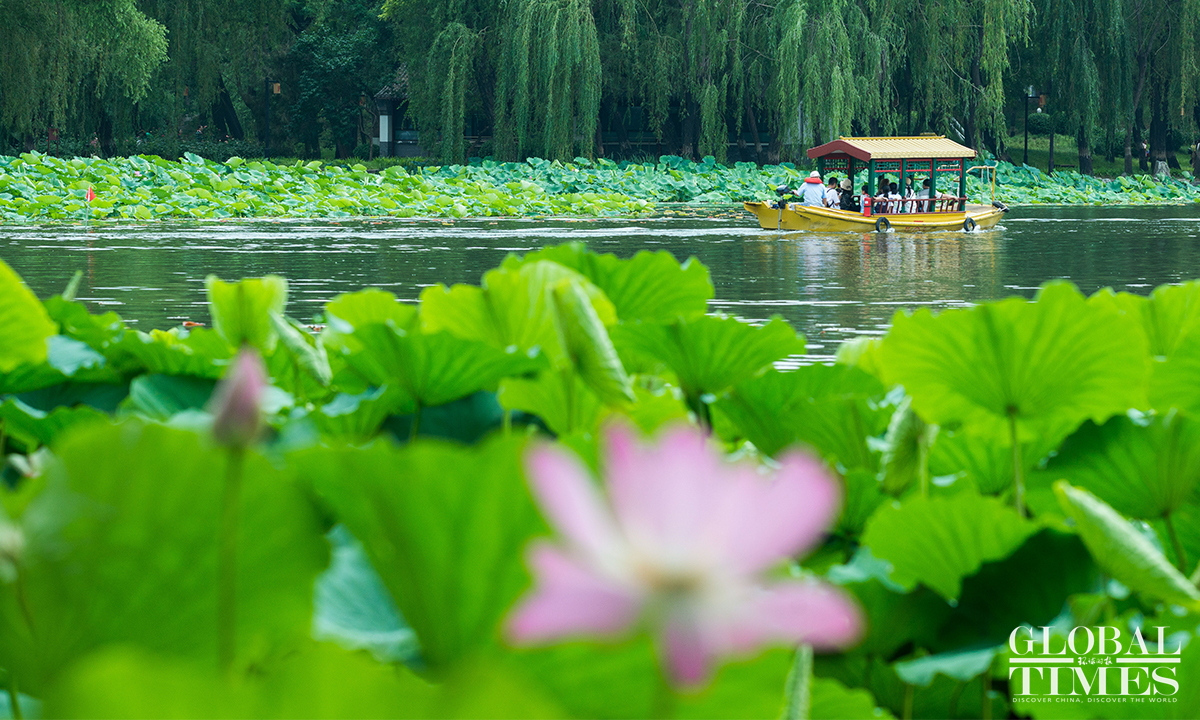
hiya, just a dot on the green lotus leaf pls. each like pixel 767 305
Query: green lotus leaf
pixel 444 525
pixel 961 665
pixel 26 324
pixel 32 428
pixel 707 354
pixel 356 418
pixel 985 464
pixel 1143 466
pixel 1052 362
pixel 198 353
pixel 366 307
pixel 1174 382
pixel 308 352
pixel 241 310
pixel 588 345
pixel 1167 315
pixel 825 407
pixel 1122 551
pixel 127 499
pixel 650 286
pixel 561 400
pixel 159 397
pixel 937 541
pixel 831 700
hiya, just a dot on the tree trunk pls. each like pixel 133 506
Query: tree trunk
pixel 1052 133
pixel 1143 164
pixel 1158 126
pixel 1129 149
pixel 1085 152
pixel 758 150
pixel 224 117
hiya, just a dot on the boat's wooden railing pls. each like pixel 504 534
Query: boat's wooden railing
pixel 892 206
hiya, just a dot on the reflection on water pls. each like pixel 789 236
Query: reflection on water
pixel 831 286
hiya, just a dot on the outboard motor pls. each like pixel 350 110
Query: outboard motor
pixel 783 191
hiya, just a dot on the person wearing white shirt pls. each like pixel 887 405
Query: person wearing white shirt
pixel 923 196
pixel 813 192
pixel 833 196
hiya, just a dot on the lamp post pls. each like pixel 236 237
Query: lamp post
pixel 1030 94
pixel 272 89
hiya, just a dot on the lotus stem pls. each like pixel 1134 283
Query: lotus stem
pixel 227 560
pixel 14 696
pixel 1018 481
pixel 415 427
pixel 986 714
pixel 664 700
pixel 908 702
pixel 798 703
pixel 1180 554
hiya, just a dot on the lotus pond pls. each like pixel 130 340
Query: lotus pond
pixel 560 482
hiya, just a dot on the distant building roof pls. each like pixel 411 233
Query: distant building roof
pixel 398 88
pixel 893 148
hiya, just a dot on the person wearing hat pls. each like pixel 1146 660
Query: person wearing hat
pixel 813 192
pixel 849 199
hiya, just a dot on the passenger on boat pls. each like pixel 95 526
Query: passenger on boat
pixel 813 192
pixel 833 198
pixel 923 204
pixel 909 195
pixel 893 197
pixel 866 198
pixel 849 199
pixel 880 204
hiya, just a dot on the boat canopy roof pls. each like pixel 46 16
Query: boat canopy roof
pixel 893 148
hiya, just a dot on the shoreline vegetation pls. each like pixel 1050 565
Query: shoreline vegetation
pixel 41 187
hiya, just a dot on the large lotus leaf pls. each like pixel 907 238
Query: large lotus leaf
pixel 1169 314
pixel 937 541
pixel 241 311
pixel 122 546
pixel 159 397
pixel 1027 587
pixel 1185 522
pixel 26 324
pixel 104 397
pixel 1122 551
pixel 367 307
pixel 708 354
pixel 466 420
pixel 445 527
pixel 559 398
pixel 895 618
pixel 961 665
pixel 513 306
pixel 32 427
pixel 1143 466
pixel 588 345
pixel 650 286
pixel 944 698
pixel 353 609
pixel 1055 361
pixel 69 356
pixel 357 417
pixel 321 681
pixel 831 700
pixel 905 459
pixel 74 320
pixel 829 408
pixel 307 352
pixel 433 369
pixel 199 353
pixel 1175 381
pixel 986 464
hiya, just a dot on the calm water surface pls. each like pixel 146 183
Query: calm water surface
pixel 831 286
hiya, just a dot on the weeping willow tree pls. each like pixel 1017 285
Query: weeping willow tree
pixel 834 69
pixel 444 103
pixel 59 56
pixel 1083 40
pixel 548 87
pixel 958 51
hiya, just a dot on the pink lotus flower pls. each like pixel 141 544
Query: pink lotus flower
pixel 682 544
pixel 237 400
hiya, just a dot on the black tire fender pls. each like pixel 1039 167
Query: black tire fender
pixel 882 225
pixel 969 224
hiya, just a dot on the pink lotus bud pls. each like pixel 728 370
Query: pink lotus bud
pixel 237 401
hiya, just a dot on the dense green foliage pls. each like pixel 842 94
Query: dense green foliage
pixel 1022 461
pixel 735 79
pixel 34 187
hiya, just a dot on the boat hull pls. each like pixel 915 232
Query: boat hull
pixel 804 217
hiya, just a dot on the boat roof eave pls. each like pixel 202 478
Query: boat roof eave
pixel 921 147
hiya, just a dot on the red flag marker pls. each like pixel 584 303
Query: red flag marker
pixel 91 194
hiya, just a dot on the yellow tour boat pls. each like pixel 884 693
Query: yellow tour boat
pixel 927 157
